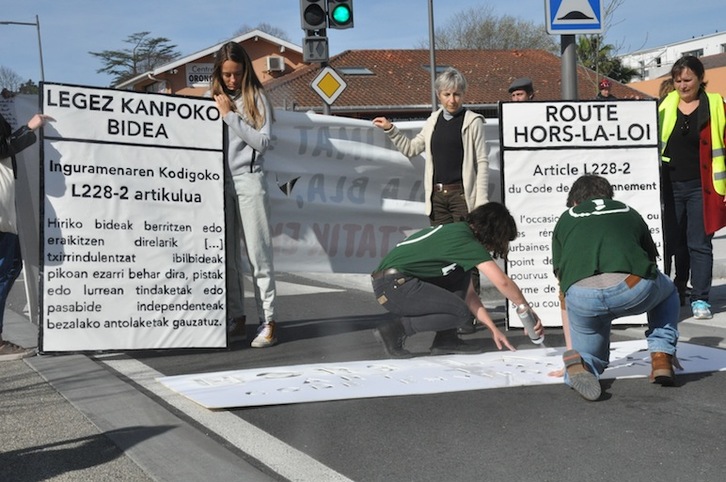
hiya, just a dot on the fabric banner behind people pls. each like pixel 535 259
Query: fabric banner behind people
pixel 342 195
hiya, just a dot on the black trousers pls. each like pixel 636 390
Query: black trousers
pixel 425 306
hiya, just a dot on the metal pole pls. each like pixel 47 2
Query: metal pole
pixel 569 67
pixel 40 50
pixel 326 106
pixel 432 56
pixel 40 47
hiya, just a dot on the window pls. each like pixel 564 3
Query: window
pixel 695 53
pixel 354 70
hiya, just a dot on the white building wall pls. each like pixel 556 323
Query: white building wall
pixel 654 62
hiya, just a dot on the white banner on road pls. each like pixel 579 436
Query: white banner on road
pixel 132 226
pixel 431 374
pixel 546 146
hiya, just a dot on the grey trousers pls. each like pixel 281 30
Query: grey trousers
pixel 424 306
pixel 247 219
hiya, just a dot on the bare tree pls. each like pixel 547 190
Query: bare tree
pixel 480 28
pixel 9 79
pixel 145 54
pixel 264 27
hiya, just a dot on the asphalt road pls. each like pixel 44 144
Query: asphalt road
pixel 105 417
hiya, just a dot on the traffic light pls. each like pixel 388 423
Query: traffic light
pixel 313 15
pixel 340 14
pixel 314 20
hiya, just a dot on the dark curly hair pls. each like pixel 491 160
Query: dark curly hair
pixel 494 227
pixel 589 186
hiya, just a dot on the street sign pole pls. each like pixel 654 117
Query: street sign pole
pixel 432 57
pixel 326 106
pixel 569 67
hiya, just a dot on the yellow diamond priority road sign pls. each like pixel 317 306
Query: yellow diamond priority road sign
pixel 328 84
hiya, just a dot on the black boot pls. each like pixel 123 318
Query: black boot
pixel 447 343
pixel 468 328
pixel 391 335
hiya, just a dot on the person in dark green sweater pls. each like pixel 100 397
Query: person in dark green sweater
pixel 605 260
pixel 426 281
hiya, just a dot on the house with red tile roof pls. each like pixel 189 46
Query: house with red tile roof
pixel 397 83
pixel 394 83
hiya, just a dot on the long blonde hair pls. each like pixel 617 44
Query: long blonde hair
pixel 250 88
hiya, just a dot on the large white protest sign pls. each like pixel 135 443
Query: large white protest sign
pixel 546 146
pixel 132 225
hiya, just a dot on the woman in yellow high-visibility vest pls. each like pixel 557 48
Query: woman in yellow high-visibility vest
pixel 692 141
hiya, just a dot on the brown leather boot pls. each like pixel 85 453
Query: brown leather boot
pixel 580 378
pixel 662 369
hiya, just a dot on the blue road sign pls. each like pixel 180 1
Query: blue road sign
pixel 570 17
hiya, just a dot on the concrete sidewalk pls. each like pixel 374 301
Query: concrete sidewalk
pixel 51 428
pixel 42 435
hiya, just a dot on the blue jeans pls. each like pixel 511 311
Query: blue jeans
pixel 591 311
pixel 10 265
pixel 688 209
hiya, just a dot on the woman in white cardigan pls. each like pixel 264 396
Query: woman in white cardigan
pixel 456 175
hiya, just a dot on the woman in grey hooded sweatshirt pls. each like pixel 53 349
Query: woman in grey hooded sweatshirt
pixel 247 117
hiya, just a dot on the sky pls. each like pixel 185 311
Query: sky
pixel 69 29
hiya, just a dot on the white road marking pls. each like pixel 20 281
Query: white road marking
pixel 270 451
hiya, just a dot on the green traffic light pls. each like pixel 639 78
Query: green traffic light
pixel 341 14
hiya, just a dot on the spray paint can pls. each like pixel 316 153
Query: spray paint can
pixel 528 321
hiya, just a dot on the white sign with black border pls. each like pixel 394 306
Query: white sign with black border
pixel 132 221
pixel 545 147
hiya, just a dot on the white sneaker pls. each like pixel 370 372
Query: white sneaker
pixel 265 335
pixel 701 310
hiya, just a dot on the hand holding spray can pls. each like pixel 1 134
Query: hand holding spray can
pixel 528 321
